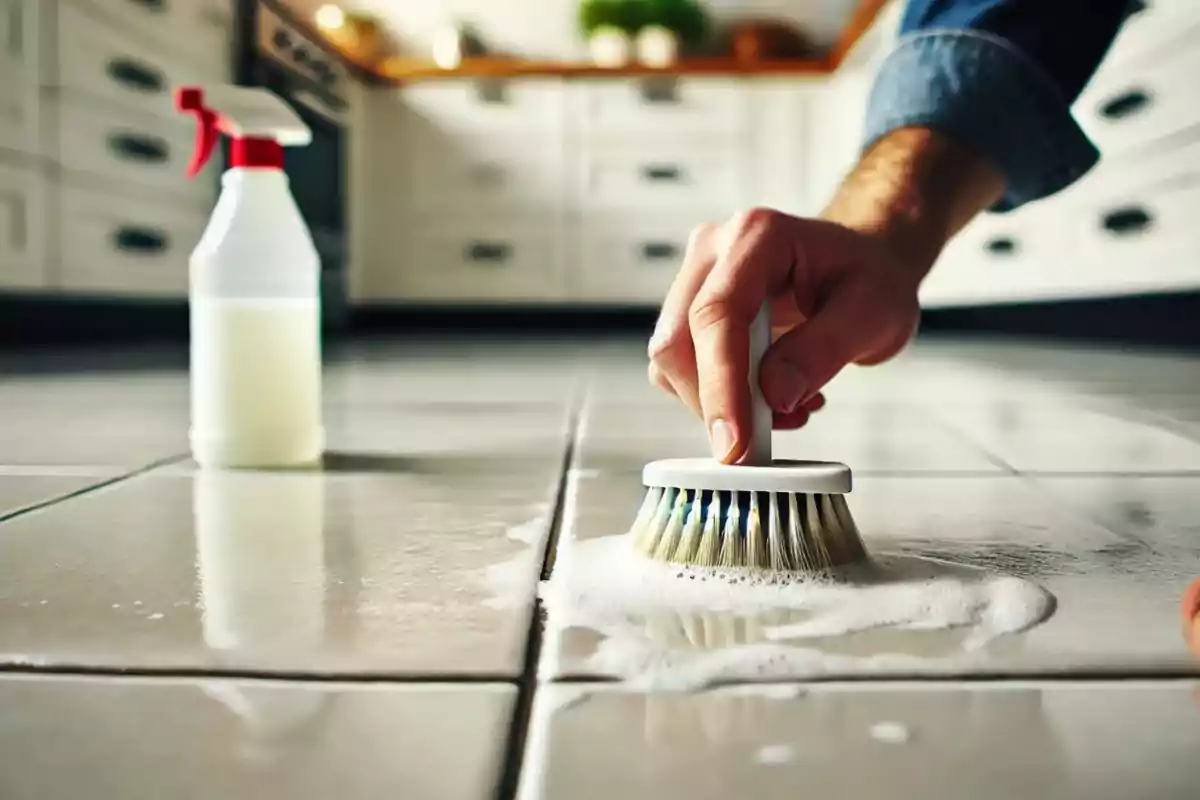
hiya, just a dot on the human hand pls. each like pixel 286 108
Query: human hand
pixel 838 296
pixel 1190 606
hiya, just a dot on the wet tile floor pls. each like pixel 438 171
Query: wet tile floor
pixel 373 628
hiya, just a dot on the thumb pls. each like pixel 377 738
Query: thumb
pixel 854 324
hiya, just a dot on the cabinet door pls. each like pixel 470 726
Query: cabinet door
pixel 19 76
pixel 22 239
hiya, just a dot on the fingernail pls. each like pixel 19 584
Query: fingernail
pixel 784 386
pixel 720 435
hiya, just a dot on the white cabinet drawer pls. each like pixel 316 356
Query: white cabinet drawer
pixel 19 76
pixel 716 179
pixel 142 150
pixel 1159 24
pixel 668 106
pixel 484 108
pixel 197 31
pixel 115 245
pixel 1142 102
pixel 629 260
pixel 103 62
pixel 490 260
pixel 22 231
pixel 496 175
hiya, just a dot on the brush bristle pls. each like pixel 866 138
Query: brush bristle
pixel 760 530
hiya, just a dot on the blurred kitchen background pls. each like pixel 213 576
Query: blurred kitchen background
pixel 535 160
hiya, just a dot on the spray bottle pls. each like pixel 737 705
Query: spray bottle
pixel 254 292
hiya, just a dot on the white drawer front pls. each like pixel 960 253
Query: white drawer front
pixel 19 76
pixel 717 179
pixel 197 31
pixel 118 246
pixel 1161 23
pixel 22 231
pixel 1142 102
pixel 494 175
pixel 103 62
pixel 141 150
pixel 664 106
pixel 484 108
pixel 488 261
pixel 629 261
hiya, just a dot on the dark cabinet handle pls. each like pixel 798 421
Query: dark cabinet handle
pixel 136 76
pixel 1127 221
pixel 662 172
pixel 1001 246
pixel 663 92
pixel 281 39
pixel 1125 104
pixel 490 252
pixel 142 241
pixel 659 251
pixel 152 5
pixel 492 93
pixel 138 147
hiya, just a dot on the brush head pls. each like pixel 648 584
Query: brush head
pixel 790 516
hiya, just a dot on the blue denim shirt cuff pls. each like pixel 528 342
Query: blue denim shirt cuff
pixel 986 94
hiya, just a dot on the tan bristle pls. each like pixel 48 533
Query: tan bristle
pixel 647 541
pixel 643 524
pixel 685 553
pixel 731 541
pixel 669 539
pixel 756 545
pixel 778 539
pixel 814 527
pixel 710 541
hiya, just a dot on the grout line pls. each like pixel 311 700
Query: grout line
pixel 966 439
pixel 115 479
pixel 224 673
pixel 1088 674
pixel 514 752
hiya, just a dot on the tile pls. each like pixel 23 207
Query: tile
pixel 1114 609
pixel 408 572
pixel 19 492
pixel 118 435
pixel 1078 440
pixel 131 739
pixel 1029 740
pixel 1161 512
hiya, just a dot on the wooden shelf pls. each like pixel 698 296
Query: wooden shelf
pixel 407 70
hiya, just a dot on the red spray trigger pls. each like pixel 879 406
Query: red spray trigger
pixel 191 99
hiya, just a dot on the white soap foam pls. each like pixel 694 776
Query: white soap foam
pixel 890 732
pixel 671 627
pixel 775 754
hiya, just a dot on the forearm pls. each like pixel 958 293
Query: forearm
pixel 914 189
pixel 999 76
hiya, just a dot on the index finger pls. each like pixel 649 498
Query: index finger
pixel 753 261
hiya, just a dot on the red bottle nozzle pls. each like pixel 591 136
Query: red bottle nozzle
pixel 191 100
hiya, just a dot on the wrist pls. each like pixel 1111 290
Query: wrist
pixel 913 191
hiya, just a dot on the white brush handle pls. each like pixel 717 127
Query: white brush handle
pixel 758 454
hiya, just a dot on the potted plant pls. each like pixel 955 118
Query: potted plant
pixel 667 26
pixel 608 27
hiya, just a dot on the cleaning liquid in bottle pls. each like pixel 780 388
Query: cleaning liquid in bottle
pixel 254 292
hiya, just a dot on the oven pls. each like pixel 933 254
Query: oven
pixel 294 66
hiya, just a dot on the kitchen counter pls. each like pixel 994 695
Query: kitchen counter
pixel 373 627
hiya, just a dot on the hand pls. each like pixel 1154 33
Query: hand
pixel 1190 606
pixel 838 296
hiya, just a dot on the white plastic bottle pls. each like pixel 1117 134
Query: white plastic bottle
pixel 254 293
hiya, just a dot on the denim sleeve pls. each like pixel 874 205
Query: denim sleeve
pixel 999 76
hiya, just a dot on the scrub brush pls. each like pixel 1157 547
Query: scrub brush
pixel 777 515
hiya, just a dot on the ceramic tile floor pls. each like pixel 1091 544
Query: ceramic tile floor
pixel 372 629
